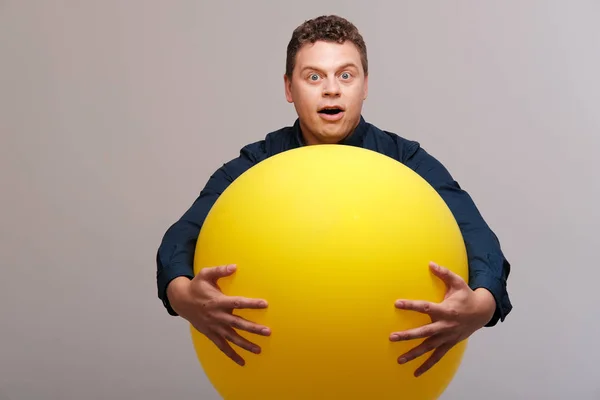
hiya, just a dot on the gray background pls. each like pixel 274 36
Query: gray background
pixel 114 113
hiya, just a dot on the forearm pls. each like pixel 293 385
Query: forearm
pixel 488 267
pixel 177 291
pixel 175 258
pixel 482 277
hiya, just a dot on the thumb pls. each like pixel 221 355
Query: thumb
pixel 452 280
pixel 215 273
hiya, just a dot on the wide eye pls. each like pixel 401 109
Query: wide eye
pixel 345 75
pixel 313 77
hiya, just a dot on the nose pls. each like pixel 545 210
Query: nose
pixel 331 88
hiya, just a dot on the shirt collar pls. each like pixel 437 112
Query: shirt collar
pixel 354 139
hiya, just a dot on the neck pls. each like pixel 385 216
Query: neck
pixel 312 139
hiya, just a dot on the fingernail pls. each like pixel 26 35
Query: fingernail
pixel 241 363
pixel 230 268
pixel 399 303
pixel 394 337
pixel 265 331
pixel 402 360
pixel 256 350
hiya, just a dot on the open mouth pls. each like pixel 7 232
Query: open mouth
pixel 331 110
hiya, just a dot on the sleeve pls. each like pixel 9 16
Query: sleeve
pixel 175 256
pixel 488 267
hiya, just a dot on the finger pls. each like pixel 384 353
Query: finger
pixel 237 302
pixel 222 344
pixel 424 307
pixel 437 355
pixel 451 279
pixel 237 322
pixel 235 338
pixel 215 273
pixel 428 345
pixel 425 331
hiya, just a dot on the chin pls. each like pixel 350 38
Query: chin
pixel 327 133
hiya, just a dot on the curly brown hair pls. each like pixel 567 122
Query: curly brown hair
pixel 329 28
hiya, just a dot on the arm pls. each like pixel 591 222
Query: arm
pixel 488 268
pixel 175 256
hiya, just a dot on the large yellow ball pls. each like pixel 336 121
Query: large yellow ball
pixel 330 236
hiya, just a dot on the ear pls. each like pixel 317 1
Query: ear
pixel 287 82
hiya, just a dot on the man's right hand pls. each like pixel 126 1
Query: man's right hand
pixel 201 302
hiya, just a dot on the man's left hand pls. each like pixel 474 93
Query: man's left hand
pixel 462 312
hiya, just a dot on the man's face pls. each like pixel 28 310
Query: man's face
pixel 328 87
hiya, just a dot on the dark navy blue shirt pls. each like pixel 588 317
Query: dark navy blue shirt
pixel 488 268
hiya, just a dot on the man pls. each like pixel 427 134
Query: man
pixel 326 79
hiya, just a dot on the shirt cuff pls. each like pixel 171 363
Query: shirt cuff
pixel 498 289
pixel 165 276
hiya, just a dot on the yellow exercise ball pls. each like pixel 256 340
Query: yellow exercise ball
pixel 330 236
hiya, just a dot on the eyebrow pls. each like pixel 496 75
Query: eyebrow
pixel 343 66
